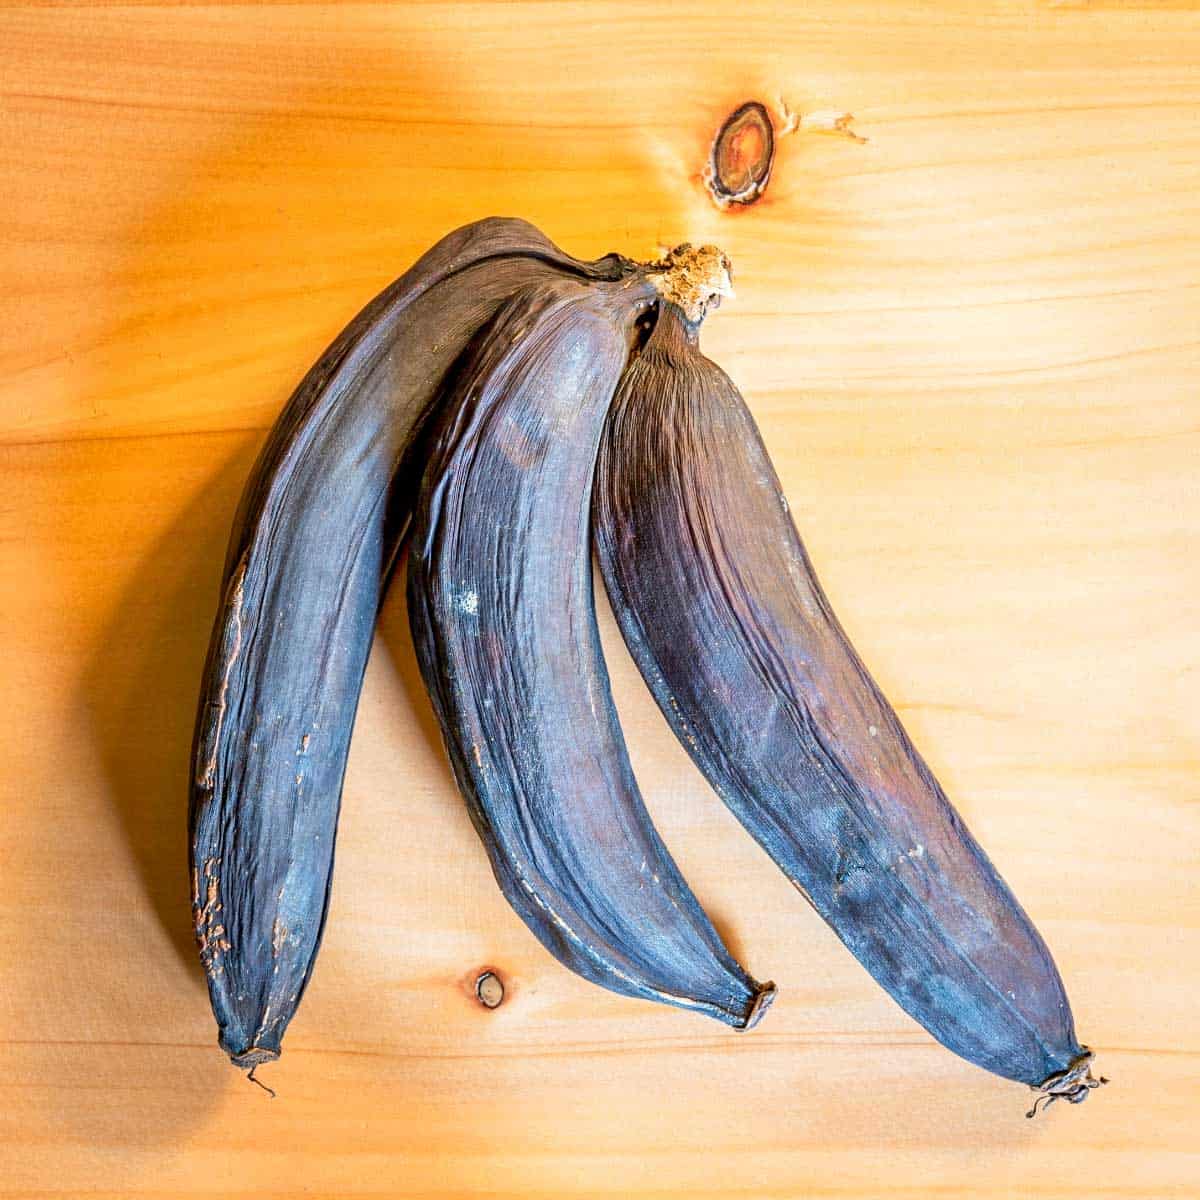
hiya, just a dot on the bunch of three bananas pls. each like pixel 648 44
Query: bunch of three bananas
pixel 503 408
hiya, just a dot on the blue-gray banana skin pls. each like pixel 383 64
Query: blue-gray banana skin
pixel 320 522
pixel 719 604
pixel 501 607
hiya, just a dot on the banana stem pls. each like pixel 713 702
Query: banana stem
pixel 695 278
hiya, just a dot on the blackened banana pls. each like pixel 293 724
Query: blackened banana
pixel 501 606
pixel 499 356
pixel 317 529
pixel 720 607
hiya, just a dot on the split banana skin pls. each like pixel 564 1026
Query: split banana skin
pixel 502 409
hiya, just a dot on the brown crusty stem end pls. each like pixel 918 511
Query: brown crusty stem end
pixel 692 277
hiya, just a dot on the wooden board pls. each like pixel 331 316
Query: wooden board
pixel 972 345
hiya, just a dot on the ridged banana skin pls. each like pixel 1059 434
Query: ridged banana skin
pixel 502 613
pixel 319 524
pixel 719 605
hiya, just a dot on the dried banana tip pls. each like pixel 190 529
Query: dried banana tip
pixel 1073 1084
pixel 763 999
pixel 692 277
pixel 254 1057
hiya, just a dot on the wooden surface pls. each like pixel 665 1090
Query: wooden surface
pixel 972 345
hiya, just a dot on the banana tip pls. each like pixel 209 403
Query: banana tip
pixel 763 999
pixel 1073 1084
pixel 255 1056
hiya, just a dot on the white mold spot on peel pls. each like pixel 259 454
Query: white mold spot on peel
pixel 466 601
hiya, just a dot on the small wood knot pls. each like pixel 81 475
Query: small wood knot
pixel 489 989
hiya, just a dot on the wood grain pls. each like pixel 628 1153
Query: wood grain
pixel 973 344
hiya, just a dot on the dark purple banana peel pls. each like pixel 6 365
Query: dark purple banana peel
pixel 504 625
pixel 720 607
pixel 320 522
pixel 474 400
